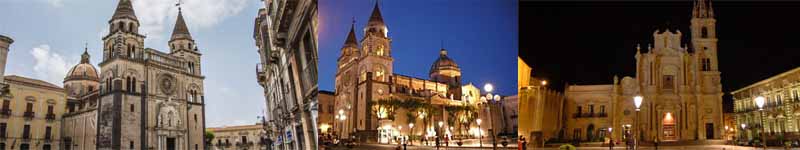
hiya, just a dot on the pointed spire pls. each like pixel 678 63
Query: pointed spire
pixel 702 9
pixel 180 31
pixel 376 16
pixel 85 55
pixel 351 37
pixel 124 10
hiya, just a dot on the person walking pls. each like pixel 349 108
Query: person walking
pixel 610 143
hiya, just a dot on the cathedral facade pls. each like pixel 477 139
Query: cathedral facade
pixel 680 86
pixel 141 98
pixel 367 93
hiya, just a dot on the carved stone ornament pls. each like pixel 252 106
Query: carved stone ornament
pixel 167 84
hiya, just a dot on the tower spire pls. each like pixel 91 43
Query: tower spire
pixel 124 10
pixel 180 31
pixel 85 55
pixel 351 37
pixel 702 9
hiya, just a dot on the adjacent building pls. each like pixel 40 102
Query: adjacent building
pixel 780 116
pixel 286 36
pixel 238 137
pixel 679 83
pixel 141 98
pixel 326 114
pixel 30 117
pixel 544 106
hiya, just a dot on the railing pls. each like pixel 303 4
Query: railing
pixel 29 114
pixel 50 116
pixel 261 74
pixel 589 115
pixel 5 112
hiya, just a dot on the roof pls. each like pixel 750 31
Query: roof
pixel 6 39
pixel 234 128
pixel 124 10
pixel 351 37
pixel 376 16
pixel 29 81
pixel 765 81
pixel 444 62
pixel 180 31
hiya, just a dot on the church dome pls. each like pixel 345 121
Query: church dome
pixel 444 63
pixel 83 70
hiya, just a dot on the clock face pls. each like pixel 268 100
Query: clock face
pixel 167 84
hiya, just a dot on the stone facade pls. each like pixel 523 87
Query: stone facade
pixel 680 85
pixel 545 107
pixel 780 115
pixel 142 97
pixel 30 117
pixel 366 83
pixel 238 137
pixel 326 113
pixel 286 36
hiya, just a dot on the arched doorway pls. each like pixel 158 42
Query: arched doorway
pixel 589 132
pixel 668 127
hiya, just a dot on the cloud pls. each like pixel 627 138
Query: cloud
pixel 50 66
pixel 157 16
pixel 55 3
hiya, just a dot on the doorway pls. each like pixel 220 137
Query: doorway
pixel 668 127
pixel 171 144
pixel 709 130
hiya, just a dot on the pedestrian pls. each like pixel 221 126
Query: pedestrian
pixel 437 142
pixel 610 143
pixel 655 140
pixel 524 144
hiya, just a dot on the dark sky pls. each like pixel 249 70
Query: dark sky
pixel 590 42
pixel 480 35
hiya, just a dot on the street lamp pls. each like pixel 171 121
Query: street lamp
pixel 742 136
pixel 489 98
pixel 760 103
pixel 637 101
pixel 480 135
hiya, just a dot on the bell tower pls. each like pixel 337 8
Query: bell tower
pixel 704 35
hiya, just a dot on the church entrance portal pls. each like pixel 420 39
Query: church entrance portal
pixel 171 144
pixel 668 124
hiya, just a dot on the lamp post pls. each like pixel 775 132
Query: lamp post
pixel 760 103
pixel 439 134
pixel 489 100
pixel 411 133
pixel 637 101
pixel 480 136
pixel 743 135
pixel 341 118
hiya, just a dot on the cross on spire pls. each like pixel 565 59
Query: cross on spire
pixel 178 4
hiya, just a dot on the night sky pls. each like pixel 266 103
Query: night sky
pixel 590 42
pixel 480 35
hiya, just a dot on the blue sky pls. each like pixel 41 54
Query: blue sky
pixel 480 35
pixel 49 37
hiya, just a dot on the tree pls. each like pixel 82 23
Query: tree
pixel 209 137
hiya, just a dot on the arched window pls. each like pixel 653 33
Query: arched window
pixel 130 27
pixel 704 32
pixel 133 84
pixel 128 84
pixel 119 26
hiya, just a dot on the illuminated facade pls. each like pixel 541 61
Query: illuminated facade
pixel 369 94
pixel 781 116
pixel 680 86
pixel 545 105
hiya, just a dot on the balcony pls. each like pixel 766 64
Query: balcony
pixel 590 115
pixel 261 75
pixel 28 115
pixel 5 112
pixel 50 117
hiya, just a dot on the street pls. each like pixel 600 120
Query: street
pixel 416 147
